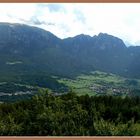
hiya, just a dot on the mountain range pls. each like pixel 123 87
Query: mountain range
pixel 28 51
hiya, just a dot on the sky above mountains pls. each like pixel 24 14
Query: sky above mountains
pixel 67 20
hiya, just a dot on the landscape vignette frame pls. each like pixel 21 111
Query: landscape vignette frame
pixel 69 137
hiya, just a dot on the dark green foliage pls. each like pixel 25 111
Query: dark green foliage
pixel 70 115
pixel 27 86
pixel 11 88
pixel 131 82
pixel 43 81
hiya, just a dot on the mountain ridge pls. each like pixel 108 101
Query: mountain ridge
pixel 40 51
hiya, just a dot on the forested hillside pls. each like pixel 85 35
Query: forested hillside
pixel 27 50
pixel 71 115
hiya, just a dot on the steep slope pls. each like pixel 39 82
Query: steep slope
pixel 25 45
pixel 24 52
pixel 134 64
pixel 103 52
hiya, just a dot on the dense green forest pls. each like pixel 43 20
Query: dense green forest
pixel 69 114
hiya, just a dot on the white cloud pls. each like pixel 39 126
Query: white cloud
pixel 64 20
pixel 11 12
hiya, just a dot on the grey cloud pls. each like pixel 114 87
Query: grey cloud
pixel 51 24
pixel 55 7
pixel 80 16
pixel 35 21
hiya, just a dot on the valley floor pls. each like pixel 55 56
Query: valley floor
pixel 101 83
pixel 94 104
pixel 94 84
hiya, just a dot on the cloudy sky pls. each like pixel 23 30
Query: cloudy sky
pixel 67 20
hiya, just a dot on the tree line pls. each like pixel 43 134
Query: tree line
pixel 70 115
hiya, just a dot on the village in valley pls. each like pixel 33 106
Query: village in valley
pixel 101 83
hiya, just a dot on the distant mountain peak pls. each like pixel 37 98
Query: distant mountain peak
pixel 82 35
pixel 106 35
pixel 110 40
pixel 102 34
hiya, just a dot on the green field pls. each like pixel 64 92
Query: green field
pixel 97 83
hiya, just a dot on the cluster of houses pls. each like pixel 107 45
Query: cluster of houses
pixel 102 89
pixel 16 93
